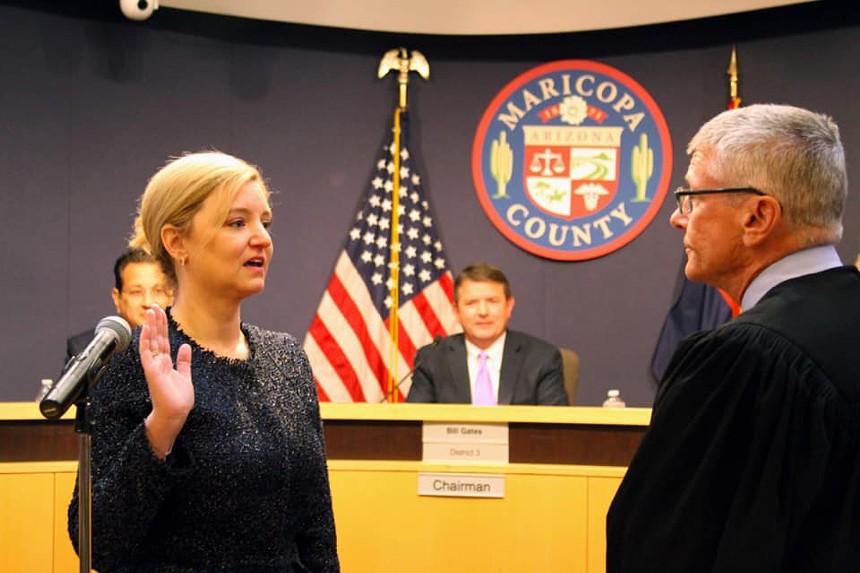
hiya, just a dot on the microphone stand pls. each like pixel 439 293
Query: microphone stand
pixel 397 386
pixel 79 377
pixel 433 346
pixel 84 429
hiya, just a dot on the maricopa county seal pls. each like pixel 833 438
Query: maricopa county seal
pixel 572 160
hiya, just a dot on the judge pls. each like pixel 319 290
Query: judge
pixel 752 458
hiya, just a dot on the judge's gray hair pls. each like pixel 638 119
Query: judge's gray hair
pixel 791 153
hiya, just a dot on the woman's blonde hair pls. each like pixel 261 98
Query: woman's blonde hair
pixel 177 191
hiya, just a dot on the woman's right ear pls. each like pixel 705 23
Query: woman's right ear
pixel 173 242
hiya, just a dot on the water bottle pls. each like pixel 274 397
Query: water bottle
pixel 45 387
pixel 614 400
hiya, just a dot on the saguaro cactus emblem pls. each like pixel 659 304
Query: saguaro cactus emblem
pixel 501 164
pixel 641 167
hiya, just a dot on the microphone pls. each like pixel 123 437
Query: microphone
pixel 112 334
pixel 433 345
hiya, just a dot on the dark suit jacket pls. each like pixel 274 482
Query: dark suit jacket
pixel 531 372
pixel 76 344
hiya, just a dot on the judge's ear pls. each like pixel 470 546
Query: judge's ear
pixel 174 242
pixel 762 215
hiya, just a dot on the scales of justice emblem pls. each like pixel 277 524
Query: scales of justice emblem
pixel 572 180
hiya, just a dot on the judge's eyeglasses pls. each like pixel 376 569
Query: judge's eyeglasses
pixel 684 196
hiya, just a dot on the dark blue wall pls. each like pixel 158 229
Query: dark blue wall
pixel 91 105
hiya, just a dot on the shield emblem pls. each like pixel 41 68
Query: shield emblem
pixel 571 172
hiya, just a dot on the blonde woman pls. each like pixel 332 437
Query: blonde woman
pixel 208 452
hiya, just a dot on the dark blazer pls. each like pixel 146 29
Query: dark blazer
pixel 531 372
pixel 76 344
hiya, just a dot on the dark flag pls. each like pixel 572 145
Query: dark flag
pixel 699 306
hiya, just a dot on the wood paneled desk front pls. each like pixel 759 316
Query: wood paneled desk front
pixel 564 466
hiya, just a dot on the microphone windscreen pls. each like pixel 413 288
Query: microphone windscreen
pixel 118 326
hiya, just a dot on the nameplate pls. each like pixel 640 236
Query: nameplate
pixel 465 432
pixel 465 442
pixel 461 485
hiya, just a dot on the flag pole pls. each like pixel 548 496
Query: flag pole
pixel 734 103
pixel 398 59
pixel 394 265
pixel 734 100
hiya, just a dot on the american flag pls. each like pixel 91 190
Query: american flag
pixel 349 343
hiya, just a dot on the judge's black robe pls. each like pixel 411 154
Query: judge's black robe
pixel 752 458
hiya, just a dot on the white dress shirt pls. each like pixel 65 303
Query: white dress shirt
pixel 797 264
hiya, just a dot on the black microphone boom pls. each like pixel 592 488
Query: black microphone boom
pixel 112 334
pixel 433 345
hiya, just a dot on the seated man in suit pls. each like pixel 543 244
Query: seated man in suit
pixel 139 283
pixel 487 364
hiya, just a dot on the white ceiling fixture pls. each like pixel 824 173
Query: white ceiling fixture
pixel 475 17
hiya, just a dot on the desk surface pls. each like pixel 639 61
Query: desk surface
pixel 538 434
pixel 469 413
pixel 22 411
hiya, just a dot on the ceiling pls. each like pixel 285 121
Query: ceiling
pixel 475 17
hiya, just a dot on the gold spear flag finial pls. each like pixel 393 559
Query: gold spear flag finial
pixel 400 60
pixel 734 100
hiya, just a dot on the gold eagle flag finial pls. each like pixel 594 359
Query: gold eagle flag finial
pixel 400 59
